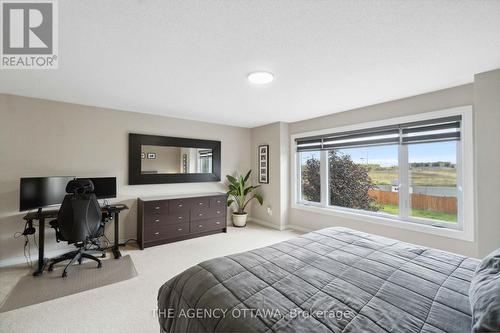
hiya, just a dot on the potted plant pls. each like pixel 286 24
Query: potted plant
pixel 237 196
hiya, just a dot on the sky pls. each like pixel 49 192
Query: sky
pixel 387 156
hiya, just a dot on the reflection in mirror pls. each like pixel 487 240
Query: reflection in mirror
pixel 167 159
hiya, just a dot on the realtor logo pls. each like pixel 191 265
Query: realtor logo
pixel 29 34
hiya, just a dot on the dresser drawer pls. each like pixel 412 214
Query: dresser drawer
pixel 152 233
pixel 161 219
pixel 179 205
pixel 205 213
pixel 208 224
pixel 218 202
pixel 200 202
pixel 155 207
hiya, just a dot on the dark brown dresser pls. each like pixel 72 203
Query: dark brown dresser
pixel 173 218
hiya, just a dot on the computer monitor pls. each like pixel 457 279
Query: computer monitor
pixel 38 192
pixel 104 187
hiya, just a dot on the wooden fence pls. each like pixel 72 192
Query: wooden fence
pixel 418 201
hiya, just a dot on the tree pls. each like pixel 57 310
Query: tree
pixel 311 180
pixel 349 182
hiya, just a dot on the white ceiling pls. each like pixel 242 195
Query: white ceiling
pixel 190 58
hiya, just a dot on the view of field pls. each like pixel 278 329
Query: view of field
pixel 432 177
pixel 420 176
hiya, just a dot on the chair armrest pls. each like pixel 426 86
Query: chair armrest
pixel 55 225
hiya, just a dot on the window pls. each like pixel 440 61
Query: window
pixel 205 161
pixel 365 178
pixel 310 181
pixel 408 171
pixel 433 180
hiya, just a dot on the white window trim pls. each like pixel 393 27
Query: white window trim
pixel 465 180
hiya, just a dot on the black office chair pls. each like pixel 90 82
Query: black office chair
pixel 79 222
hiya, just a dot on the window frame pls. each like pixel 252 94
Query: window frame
pixel 299 187
pixel 436 223
pixel 200 160
pixel 463 229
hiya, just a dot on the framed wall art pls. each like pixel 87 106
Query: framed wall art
pixel 263 164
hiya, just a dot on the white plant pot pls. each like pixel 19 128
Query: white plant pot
pixel 240 220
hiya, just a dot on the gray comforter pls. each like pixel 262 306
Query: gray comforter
pixel 331 280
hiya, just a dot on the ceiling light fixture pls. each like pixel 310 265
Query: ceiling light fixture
pixel 260 77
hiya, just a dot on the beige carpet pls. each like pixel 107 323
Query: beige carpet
pixel 128 306
pixel 32 290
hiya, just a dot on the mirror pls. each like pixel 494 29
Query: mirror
pixel 171 160
pixel 157 159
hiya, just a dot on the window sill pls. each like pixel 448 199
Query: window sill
pixel 388 221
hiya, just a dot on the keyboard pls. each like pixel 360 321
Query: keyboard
pixel 115 208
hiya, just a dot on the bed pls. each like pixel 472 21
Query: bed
pixel 330 280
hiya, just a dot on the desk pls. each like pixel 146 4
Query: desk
pixel 109 211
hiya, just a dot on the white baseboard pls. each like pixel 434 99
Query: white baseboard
pixel 281 228
pixel 299 228
pixel 265 223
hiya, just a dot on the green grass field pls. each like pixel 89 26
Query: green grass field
pixel 419 176
pixel 393 209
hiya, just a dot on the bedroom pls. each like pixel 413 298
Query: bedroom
pixel 378 119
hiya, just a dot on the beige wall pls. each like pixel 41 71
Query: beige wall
pixel 487 159
pixel 276 192
pixel 46 138
pixel 168 159
pixel 437 100
pixel 285 174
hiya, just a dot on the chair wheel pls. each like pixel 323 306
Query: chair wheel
pixel 79 261
pixel 50 269
pixel 64 274
pixel 99 265
pixel 103 255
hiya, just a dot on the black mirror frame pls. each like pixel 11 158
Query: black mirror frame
pixel 135 177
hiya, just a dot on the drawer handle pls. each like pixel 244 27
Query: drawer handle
pixel 157 207
pixel 200 203
pixel 200 214
pixel 157 220
pixel 180 229
pixel 218 201
pixel 217 222
pixel 157 233
pixel 179 217
pixel 218 212
pixel 179 205
pixel 200 225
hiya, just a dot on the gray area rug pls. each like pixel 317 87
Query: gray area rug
pixel 32 290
